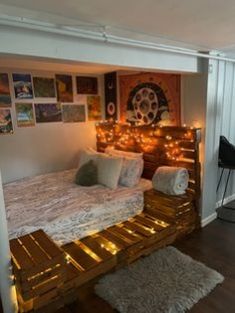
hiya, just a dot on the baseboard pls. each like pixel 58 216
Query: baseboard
pixel 208 219
pixel 226 200
pixel 213 216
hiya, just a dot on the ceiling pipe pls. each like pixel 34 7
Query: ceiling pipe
pixel 105 37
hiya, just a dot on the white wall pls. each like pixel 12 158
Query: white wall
pixel 45 147
pixel 225 106
pixel 219 120
pixel 193 107
pixel 209 99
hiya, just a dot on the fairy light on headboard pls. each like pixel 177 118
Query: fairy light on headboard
pixel 173 151
pixel 143 138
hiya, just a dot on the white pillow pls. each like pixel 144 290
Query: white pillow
pixel 109 169
pixel 112 151
pixel 87 155
pixel 132 169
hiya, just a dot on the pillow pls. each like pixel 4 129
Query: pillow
pixel 87 174
pixel 109 169
pixel 114 152
pixel 88 154
pixel 132 169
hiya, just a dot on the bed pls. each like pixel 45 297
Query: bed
pixel 65 211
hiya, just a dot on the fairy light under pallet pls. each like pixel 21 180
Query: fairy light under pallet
pixel 145 138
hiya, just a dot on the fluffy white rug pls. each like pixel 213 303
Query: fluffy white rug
pixel 167 281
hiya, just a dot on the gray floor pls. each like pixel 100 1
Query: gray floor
pixel 227 212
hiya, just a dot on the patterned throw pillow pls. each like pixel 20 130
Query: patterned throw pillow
pixel 87 174
pixel 131 172
pixel 132 166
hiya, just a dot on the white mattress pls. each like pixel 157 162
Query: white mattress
pixel 65 211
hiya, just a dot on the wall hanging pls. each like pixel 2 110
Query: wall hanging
pixel 110 89
pixel 150 98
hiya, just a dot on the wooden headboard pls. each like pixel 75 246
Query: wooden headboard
pixel 172 146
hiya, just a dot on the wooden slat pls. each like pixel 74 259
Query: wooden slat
pixel 20 255
pixel 34 250
pixel 46 243
pixel 56 271
pixel 126 234
pixel 113 238
pixel 137 228
pixel 96 248
pixel 79 256
pixel 118 234
pixel 148 223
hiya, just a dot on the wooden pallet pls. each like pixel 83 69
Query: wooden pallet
pixel 39 267
pixel 115 247
pixel 37 260
pixel 179 209
pixel 161 146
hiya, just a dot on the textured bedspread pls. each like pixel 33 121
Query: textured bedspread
pixel 66 211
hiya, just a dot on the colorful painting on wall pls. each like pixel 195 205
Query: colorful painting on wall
pixel 22 86
pixel 110 89
pixel 87 85
pixel 64 87
pixel 48 112
pixel 24 114
pixel 5 96
pixel 73 113
pixel 44 87
pixel 94 108
pixel 148 98
pixel 6 126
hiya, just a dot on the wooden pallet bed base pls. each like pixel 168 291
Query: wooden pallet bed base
pixel 80 261
pixel 48 277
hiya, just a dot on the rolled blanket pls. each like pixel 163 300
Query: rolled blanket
pixel 171 180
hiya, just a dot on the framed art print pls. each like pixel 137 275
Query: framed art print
pixel 5 96
pixel 22 86
pixel 24 114
pixel 94 108
pixel 44 87
pixel 73 113
pixel 87 85
pixel 48 112
pixel 64 88
pixel 6 126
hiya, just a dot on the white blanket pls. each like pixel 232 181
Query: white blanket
pixel 66 211
pixel 171 180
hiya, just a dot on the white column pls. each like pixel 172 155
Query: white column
pixel 7 289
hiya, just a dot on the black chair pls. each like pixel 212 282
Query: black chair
pixel 226 161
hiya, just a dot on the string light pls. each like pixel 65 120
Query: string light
pixel 141 138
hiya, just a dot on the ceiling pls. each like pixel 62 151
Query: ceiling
pixel 198 24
